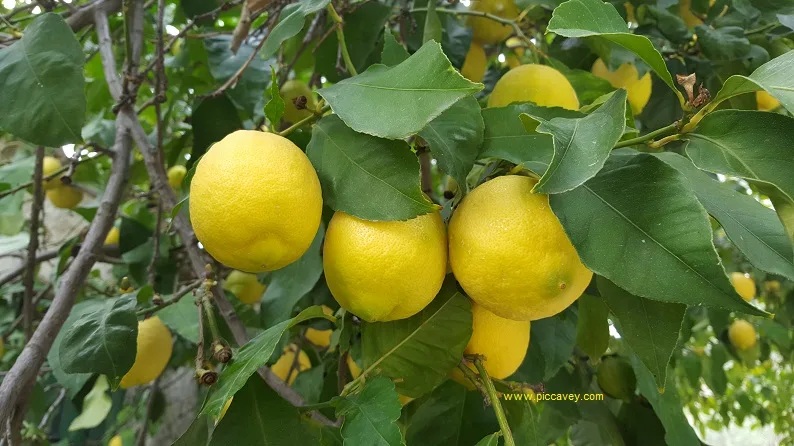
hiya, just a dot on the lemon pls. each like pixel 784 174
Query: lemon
pixel 113 236
pixel 245 286
pixel 765 101
pixel 540 84
pixel 289 92
pixel 116 441
pixel 772 286
pixel 516 52
pixel 742 334
pixel 176 175
pixel 255 201
pixel 152 355
pixel 616 378
pixel 489 31
pixel 503 342
pixel 627 76
pixel 475 64
pixel 385 270
pixel 685 12
pixel 65 197
pixel 320 338
pixel 283 366
pixel 49 166
pixel 510 253
pixel 744 285
pixel 355 370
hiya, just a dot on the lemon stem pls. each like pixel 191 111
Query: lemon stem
pixel 311 118
pixel 323 405
pixel 497 405
pixel 210 312
pixel 471 376
pixel 340 36
pixel 647 137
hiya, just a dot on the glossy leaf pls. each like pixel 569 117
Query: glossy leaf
pixel 774 77
pixel 212 120
pixel 274 108
pixel 43 86
pixel 248 92
pixel 349 163
pixel 182 318
pixel 592 329
pixel 371 415
pixel 397 102
pixel 523 417
pixel 393 52
pixel 72 382
pixel 490 440
pixel 96 406
pixel 554 338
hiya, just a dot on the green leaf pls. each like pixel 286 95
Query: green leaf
pixel 73 383
pixel 490 440
pixel 455 138
pixel 432 29
pixel 371 416
pixel 43 86
pixel 588 86
pixel 259 416
pixel 393 52
pixel 422 349
pixel 642 205
pixel 248 93
pixel 592 330
pixel 96 406
pixel 397 102
pixel 101 341
pixel 289 284
pixel 650 327
pixel 774 77
pixel 581 146
pixel 254 354
pixel 507 138
pixel 212 120
pixel 598 426
pixel 595 19
pixel 523 417
pixel 717 379
pixel 751 226
pixel 726 43
pixel 181 317
pixel 554 337
pixel 274 108
pixel 349 163
pixel 197 434
pixel 290 23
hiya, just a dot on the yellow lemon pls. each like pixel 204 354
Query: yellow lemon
pixel 503 342
pixel 245 286
pixel 290 91
pixel 355 370
pixel 765 101
pixel 516 52
pixel 489 31
pixel 744 285
pixel 49 166
pixel 742 334
pixel 476 61
pixel 627 76
pixel 320 338
pixel 385 270
pixel 113 236
pixel 685 12
pixel 510 253
pixel 540 84
pixel 116 441
pixel 176 175
pixel 255 201
pixel 65 197
pixel 152 355
pixel 772 286
pixel 283 366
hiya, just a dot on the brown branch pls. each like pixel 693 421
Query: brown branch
pixel 426 170
pixel 85 15
pixel 149 408
pixel 152 269
pixel 176 298
pixel 18 320
pixel 60 171
pixel 29 278
pixel 43 257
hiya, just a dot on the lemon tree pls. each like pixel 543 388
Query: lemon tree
pixel 487 222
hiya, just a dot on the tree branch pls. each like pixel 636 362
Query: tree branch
pixel 29 278
pixel 43 257
pixel 85 15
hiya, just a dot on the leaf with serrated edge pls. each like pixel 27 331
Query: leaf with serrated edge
pixel 774 77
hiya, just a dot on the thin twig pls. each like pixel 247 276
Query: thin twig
pixel 295 366
pixel 43 257
pixel 52 175
pixel 495 403
pixel 152 269
pixel 179 295
pixel 18 320
pixel 471 376
pixel 647 137
pixel 340 36
pixel 29 277
pixel 311 118
pixel 149 408
pixel 55 404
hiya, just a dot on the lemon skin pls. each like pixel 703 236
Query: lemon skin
pixel 49 166
pixel 616 378
pixel 176 175
pixel 65 197
pixel 745 286
pixel 540 84
pixel 320 338
pixel 116 441
pixel 489 31
pixel 245 286
pixel 742 335
pixel 765 101
pixel 255 201
pixel 627 76
pixel 113 236
pixel 283 366
pixel 293 89
pixel 355 372
pixel 503 342
pixel 152 355
pixel 475 64
pixel 510 253
pixel 385 270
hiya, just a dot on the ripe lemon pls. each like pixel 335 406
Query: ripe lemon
pixel 283 366
pixel 516 52
pixel 510 253
pixel 176 175
pixel 49 166
pixel 616 378
pixel 289 92
pixel 245 286
pixel 685 12
pixel 744 285
pixel 65 197
pixel 355 370
pixel 116 441
pixel 489 31
pixel 113 236
pixel 626 76
pixel 503 342
pixel 385 270
pixel 152 355
pixel 540 84
pixel 320 338
pixel 765 101
pixel 742 334
pixel 475 64
pixel 255 201
pixel 772 286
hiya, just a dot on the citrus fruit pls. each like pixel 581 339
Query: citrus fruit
pixel 355 370
pixel 385 270
pixel 765 101
pixel 475 64
pixel 65 197
pixel 616 378
pixel 489 31
pixel 176 175
pixel 627 76
pixel 49 166
pixel 742 334
pixel 255 201
pixel 744 285
pixel 283 366
pixel 113 236
pixel 510 254
pixel 116 441
pixel 540 84
pixel 289 92
pixel 245 286
pixel 320 338
pixel 152 354
pixel 503 342
pixel 515 53
pixel 685 12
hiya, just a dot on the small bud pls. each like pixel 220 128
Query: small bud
pixel 448 194
pixel 66 180
pixel 703 96
pixel 157 299
pixel 125 286
pixel 222 353
pixel 300 102
pixel 206 377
